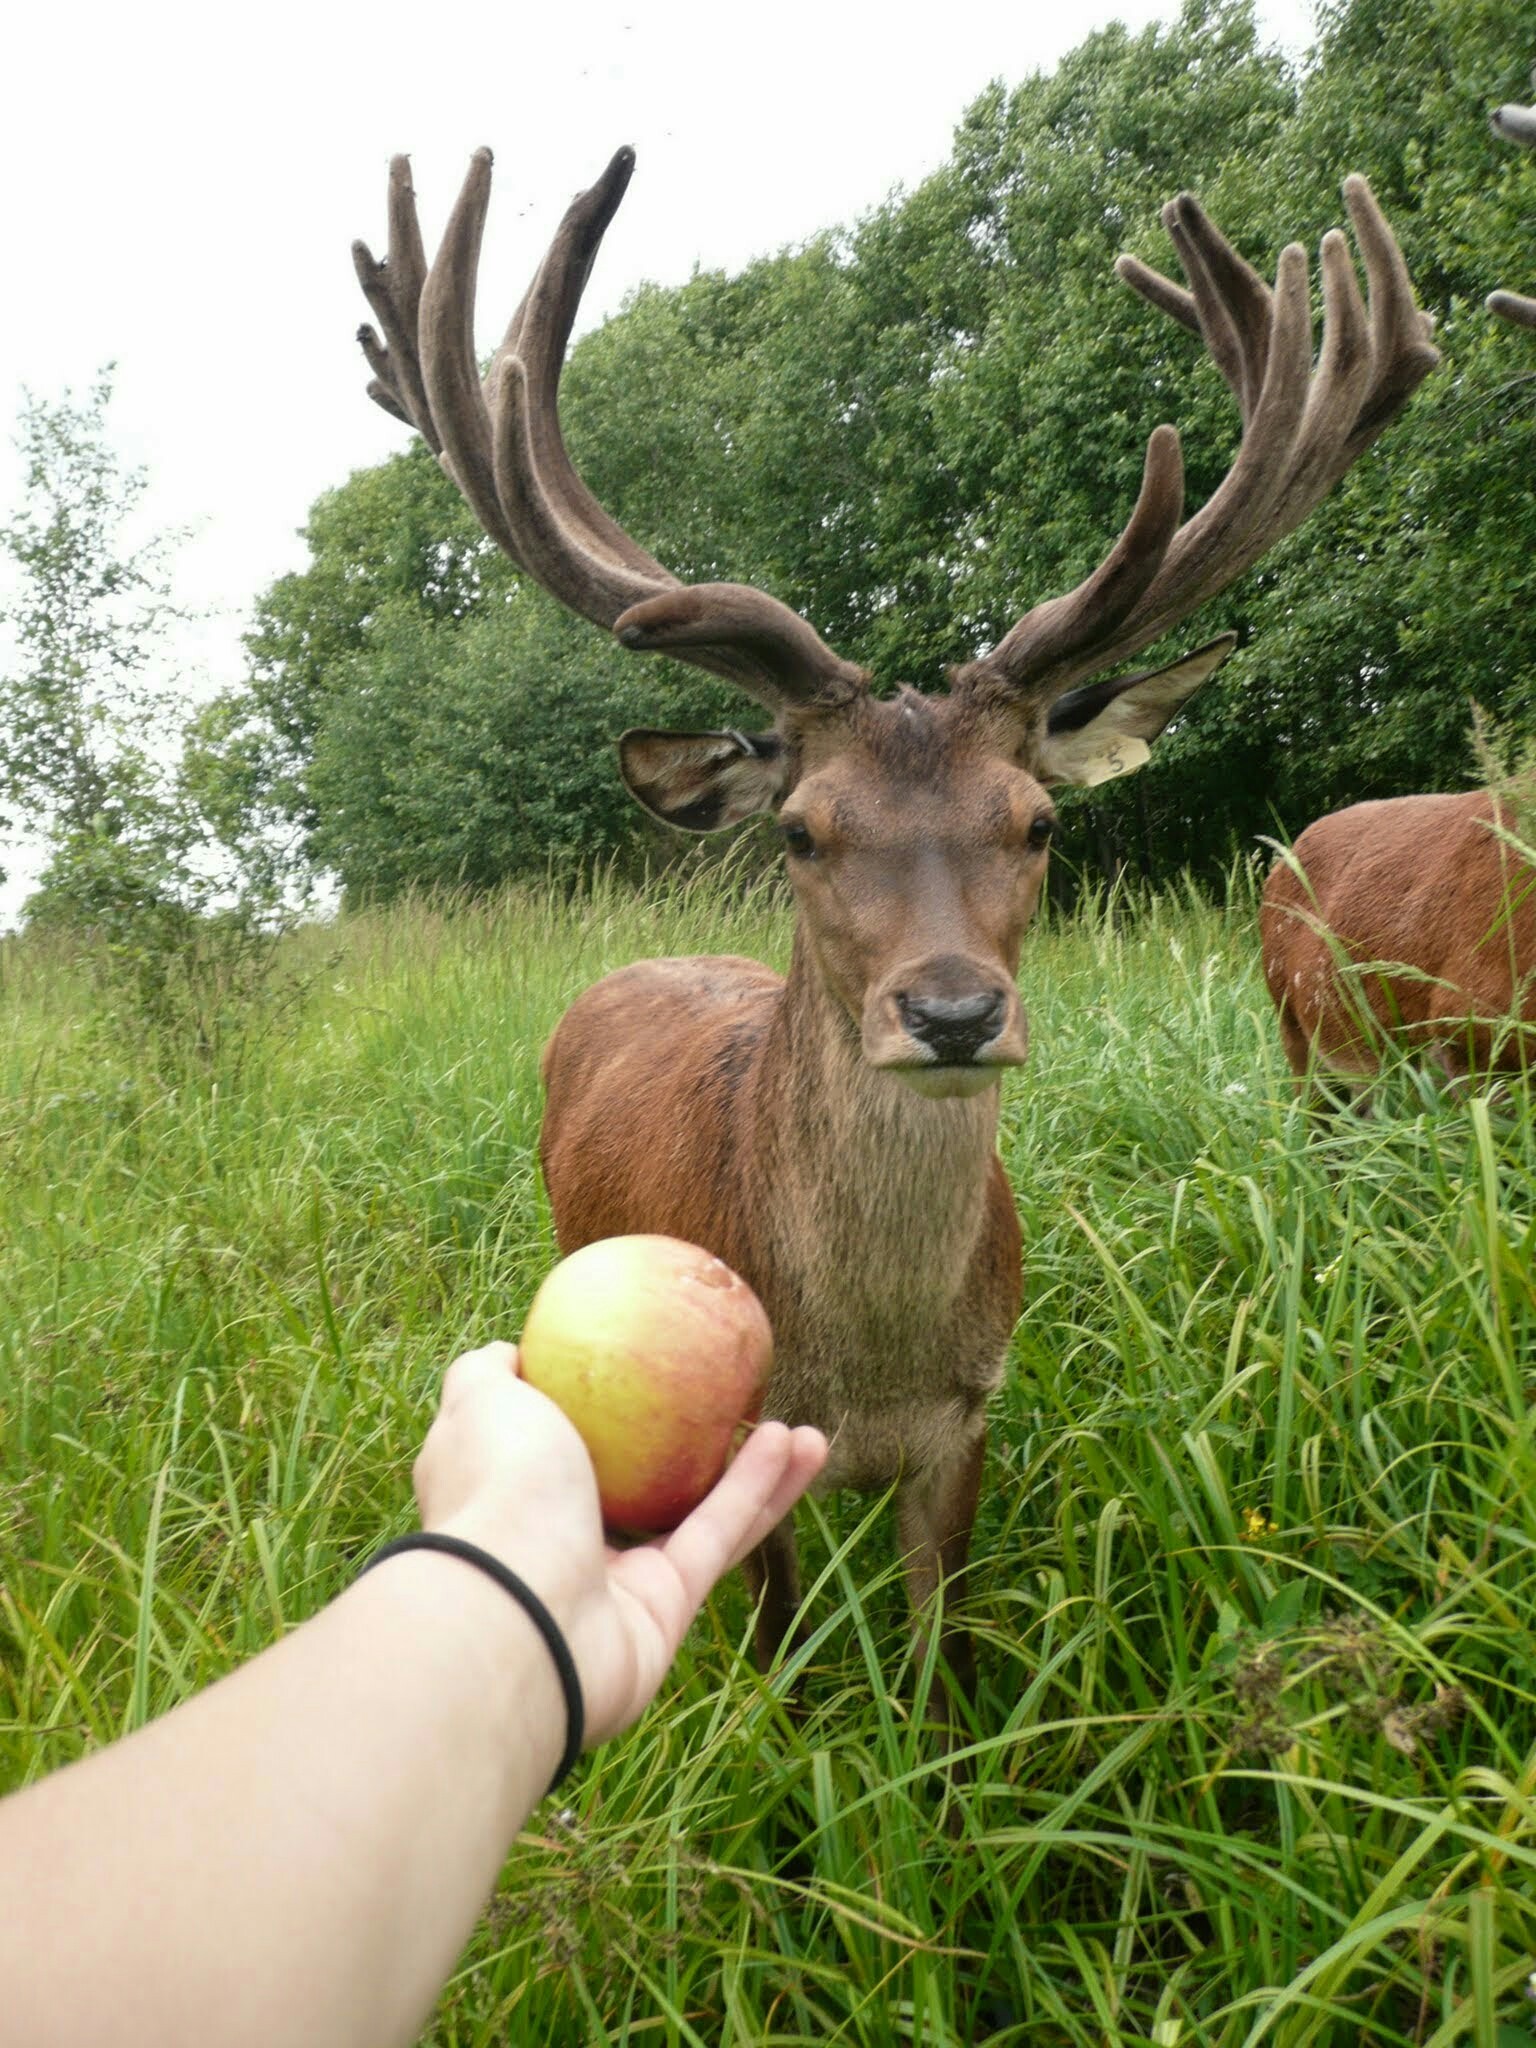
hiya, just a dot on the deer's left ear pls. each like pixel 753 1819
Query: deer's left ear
pixel 703 781
pixel 1104 729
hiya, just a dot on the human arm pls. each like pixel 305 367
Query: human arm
pixel 300 1852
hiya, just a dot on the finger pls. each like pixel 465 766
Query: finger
pixel 486 1366
pixel 703 1546
pixel 762 1482
pixel 807 1455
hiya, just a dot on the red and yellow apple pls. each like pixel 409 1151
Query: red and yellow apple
pixel 658 1353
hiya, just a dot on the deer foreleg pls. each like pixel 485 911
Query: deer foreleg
pixel 934 1518
pixel 772 1573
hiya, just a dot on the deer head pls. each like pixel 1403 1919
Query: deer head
pixel 916 827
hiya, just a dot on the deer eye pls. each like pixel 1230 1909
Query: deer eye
pixel 798 843
pixel 1040 831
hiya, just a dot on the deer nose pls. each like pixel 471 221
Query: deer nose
pixel 954 1028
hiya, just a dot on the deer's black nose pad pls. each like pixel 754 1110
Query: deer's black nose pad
pixel 954 1028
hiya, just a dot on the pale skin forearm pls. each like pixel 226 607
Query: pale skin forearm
pixel 308 1843
pixel 300 1853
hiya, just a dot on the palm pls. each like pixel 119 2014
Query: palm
pixel 628 1637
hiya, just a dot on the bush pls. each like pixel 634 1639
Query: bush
pixel 172 952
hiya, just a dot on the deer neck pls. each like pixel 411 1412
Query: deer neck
pixel 871 1180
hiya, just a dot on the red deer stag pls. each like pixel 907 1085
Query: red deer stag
pixel 832 1135
pixel 1410 921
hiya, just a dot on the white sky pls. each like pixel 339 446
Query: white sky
pixel 185 180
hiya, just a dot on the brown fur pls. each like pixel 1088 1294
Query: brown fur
pixel 1424 883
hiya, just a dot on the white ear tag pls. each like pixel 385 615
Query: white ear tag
pixel 1119 755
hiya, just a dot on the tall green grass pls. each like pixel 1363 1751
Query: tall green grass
pixel 1255 1757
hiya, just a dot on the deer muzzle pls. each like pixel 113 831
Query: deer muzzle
pixel 946 1026
pixel 953 1029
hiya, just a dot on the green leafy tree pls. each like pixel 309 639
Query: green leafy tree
pixel 173 941
pixel 396 535
pixel 85 627
pixel 460 755
pixel 913 429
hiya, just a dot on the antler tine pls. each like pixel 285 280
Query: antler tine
pixel 1515 124
pixel 1229 308
pixel 1402 351
pixel 1233 306
pixel 1291 454
pixel 393 289
pixel 1345 362
pixel 450 372
pixel 537 337
pixel 1088 617
pixel 1250 487
pixel 580 554
pixel 568 541
pixel 501 442
pixel 1302 427
pixel 1512 306
pixel 1252 504
pixel 586 578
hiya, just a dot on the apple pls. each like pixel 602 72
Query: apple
pixel 658 1353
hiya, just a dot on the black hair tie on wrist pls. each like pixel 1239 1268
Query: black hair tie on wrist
pixel 532 1606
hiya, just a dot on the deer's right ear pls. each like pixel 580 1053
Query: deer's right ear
pixel 703 781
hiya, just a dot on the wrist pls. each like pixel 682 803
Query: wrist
pixel 560 1573
pixel 488 1649
pixel 444 1543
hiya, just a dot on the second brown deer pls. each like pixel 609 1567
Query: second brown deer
pixel 1406 923
pixel 1409 923
pixel 832 1134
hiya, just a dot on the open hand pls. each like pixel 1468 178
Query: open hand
pixel 502 1467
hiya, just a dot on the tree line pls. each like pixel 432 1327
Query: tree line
pixel 915 426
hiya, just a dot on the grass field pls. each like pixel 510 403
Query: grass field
pixel 1255 1759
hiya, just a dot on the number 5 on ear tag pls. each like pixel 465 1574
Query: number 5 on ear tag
pixel 1119 756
